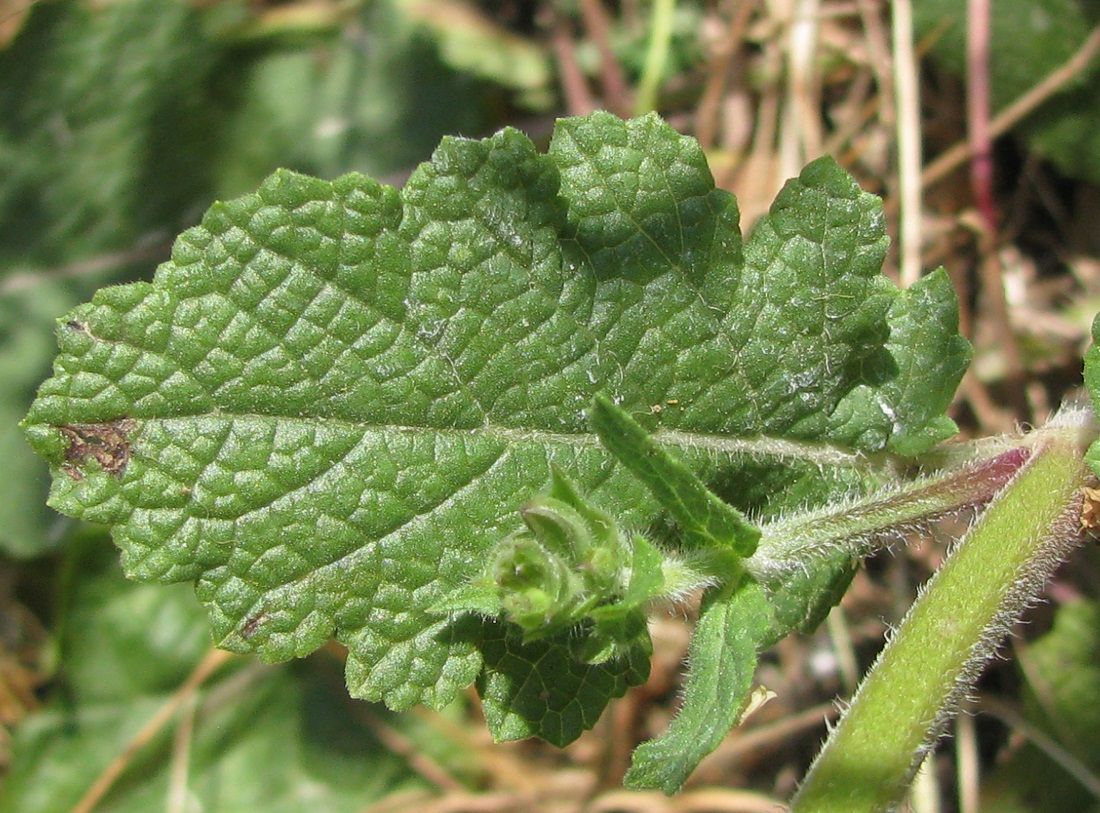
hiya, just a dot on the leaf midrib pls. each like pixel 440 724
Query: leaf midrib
pixel 759 446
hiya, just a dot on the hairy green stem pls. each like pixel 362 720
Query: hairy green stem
pixel 967 476
pixel 860 525
pixel 952 630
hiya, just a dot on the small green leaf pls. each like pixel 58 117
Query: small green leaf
pixel 803 597
pixel 902 406
pixel 705 520
pixel 539 590
pixel 479 596
pixel 721 660
pixel 647 579
pixel 540 689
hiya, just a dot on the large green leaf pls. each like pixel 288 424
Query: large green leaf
pixel 328 406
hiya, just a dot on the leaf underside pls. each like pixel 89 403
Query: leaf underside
pixel 327 407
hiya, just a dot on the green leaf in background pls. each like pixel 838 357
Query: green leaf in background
pixel 1061 670
pixel 375 98
pixel 1063 673
pixel 262 738
pixel 1028 40
pixel 328 406
pixel 471 41
pixel 103 119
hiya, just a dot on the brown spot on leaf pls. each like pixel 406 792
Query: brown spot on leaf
pixel 106 443
pixel 252 624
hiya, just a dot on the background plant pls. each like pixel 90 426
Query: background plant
pixel 304 52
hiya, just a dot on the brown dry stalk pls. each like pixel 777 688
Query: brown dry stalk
pixel 967 762
pixel 179 767
pixel 574 87
pixel 980 142
pixel 146 249
pixel 401 745
pixel 616 94
pixel 706 114
pixel 907 108
pixel 770 735
pixel 709 800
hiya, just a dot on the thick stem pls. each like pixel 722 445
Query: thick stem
pixel 952 630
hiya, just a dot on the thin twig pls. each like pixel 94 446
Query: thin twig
pixel 1068 762
pixel 991 417
pixel 146 249
pixel 653 71
pixel 400 802
pixel 981 182
pixel 502 768
pixel 457 802
pixel 763 737
pixel 909 142
pixel 977 111
pixel 710 800
pixel 620 740
pixel 881 60
pixel 211 663
pixel 404 747
pixel 845 652
pixel 967 761
pixel 181 760
pixel 574 86
pixel 616 94
pixel 706 113
pixel 924 795
pixel 802 138
pixel 1012 115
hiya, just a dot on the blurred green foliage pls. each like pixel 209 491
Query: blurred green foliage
pixel 1061 673
pixel 263 738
